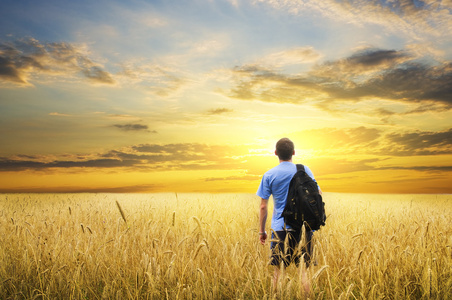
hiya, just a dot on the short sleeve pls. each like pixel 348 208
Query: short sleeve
pixel 264 190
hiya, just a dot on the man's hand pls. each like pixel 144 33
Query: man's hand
pixel 262 237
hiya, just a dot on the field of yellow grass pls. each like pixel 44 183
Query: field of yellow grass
pixel 205 246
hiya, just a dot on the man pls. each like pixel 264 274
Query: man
pixel 276 182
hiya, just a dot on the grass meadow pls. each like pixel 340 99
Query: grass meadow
pixel 205 246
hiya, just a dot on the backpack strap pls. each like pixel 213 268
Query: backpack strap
pixel 300 167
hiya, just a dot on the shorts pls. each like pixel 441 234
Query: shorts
pixel 292 254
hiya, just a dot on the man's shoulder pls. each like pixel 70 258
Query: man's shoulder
pixel 282 168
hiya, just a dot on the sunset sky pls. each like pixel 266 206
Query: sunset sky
pixel 191 96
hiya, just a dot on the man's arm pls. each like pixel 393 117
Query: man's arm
pixel 263 211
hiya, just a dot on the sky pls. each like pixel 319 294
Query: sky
pixel 192 96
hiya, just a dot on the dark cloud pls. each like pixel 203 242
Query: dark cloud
pixel 97 74
pixel 151 148
pixel 413 82
pixel 219 111
pixel 420 143
pixel 22 58
pixel 420 168
pixel 20 165
pixel 208 151
pixel 364 62
pixel 9 72
pixel 409 82
pixel 371 73
pixel 133 127
pixel 145 157
pixel 377 57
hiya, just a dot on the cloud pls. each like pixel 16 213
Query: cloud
pixel 146 157
pixel 133 127
pixel 254 178
pixel 372 141
pixel 20 165
pixel 411 82
pixel 254 82
pixel 162 80
pixel 8 71
pixel 24 60
pixel 122 117
pixel 420 168
pixel 363 63
pixel 188 155
pixel 420 143
pixel 219 111
pixel 58 114
pixel 408 18
pixel 366 74
pixel 64 189
pixel 96 74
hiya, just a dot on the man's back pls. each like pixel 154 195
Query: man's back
pixel 276 182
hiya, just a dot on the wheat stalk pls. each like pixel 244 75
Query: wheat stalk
pixel 121 212
pixel 199 224
pixel 198 249
pixel 319 272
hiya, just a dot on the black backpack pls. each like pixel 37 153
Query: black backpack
pixel 304 204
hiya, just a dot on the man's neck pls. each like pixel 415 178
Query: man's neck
pixel 290 160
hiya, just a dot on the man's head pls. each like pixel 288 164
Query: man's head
pixel 285 149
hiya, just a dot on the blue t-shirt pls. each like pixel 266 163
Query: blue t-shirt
pixel 276 182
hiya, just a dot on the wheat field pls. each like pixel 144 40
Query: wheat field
pixel 205 246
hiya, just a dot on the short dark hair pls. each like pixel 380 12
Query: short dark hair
pixel 284 149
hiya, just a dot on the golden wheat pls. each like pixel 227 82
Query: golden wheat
pixel 373 247
pixel 121 212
